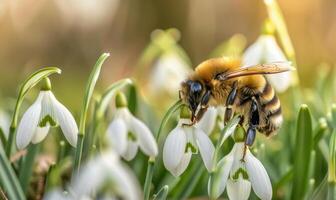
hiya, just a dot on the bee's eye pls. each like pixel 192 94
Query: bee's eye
pixel 195 87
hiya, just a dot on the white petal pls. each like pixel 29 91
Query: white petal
pixel 258 177
pixel 144 137
pixel 273 53
pixel 105 169
pixel 239 189
pixel 253 54
pixel 117 134
pixel 174 148
pixel 28 124
pixel 221 175
pixel 208 121
pixel 65 120
pixel 182 166
pixel 131 151
pixel 206 148
pixel 40 134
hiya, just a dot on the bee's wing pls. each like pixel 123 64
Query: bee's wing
pixel 269 68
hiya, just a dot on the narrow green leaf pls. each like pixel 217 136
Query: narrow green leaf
pixel 26 168
pixel 320 130
pixel 275 15
pixel 8 179
pixel 86 102
pixel 89 90
pixel 2 138
pixel 321 190
pixel 332 159
pixel 162 194
pixel 189 180
pixel 333 114
pixel 229 129
pixel 302 153
pixel 132 99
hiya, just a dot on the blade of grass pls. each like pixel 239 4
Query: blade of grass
pixel 86 102
pixel 162 194
pixel 9 181
pixel 26 168
pixel 302 153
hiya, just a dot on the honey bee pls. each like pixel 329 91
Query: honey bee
pixel 242 90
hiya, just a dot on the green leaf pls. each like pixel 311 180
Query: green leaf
pixel 89 90
pixel 229 129
pixel 132 99
pixel 333 114
pixel 302 153
pixel 162 194
pixel 320 130
pixel 332 159
pixel 8 180
pixel 26 168
pixel 3 139
pixel 189 180
pixel 321 191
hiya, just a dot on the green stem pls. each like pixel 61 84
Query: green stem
pixel 149 177
pixel 79 151
pixel 152 161
pixel 10 141
pixel 26 168
pixel 331 191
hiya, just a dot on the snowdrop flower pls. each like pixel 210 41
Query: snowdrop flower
pixel 182 142
pixel 127 133
pixel 208 121
pixel 168 72
pixel 239 176
pixel 45 112
pixel 100 173
pixel 266 50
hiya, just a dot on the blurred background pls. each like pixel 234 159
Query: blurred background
pixel 71 34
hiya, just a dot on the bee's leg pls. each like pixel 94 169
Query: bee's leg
pixel 253 124
pixel 229 102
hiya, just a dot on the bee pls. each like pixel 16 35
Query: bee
pixel 242 90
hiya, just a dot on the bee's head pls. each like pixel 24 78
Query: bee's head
pixel 195 94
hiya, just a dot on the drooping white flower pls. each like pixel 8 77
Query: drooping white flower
pixel 45 112
pixel 127 133
pixel 181 143
pixel 208 121
pixel 239 176
pixel 105 176
pixel 266 50
pixel 168 72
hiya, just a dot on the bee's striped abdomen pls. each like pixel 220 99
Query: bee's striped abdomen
pixel 271 109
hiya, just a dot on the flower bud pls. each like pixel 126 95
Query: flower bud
pixel 185 113
pixel 121 100
pixel 46 85
pixel 239 134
